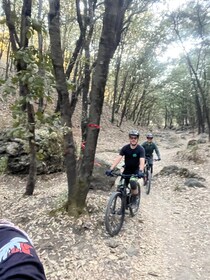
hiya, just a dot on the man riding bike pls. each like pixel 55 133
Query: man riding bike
pixel 134 157
pixel 150 147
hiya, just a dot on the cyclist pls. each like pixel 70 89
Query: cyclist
pixel 150 147
pixel 134 158
pixel 18 259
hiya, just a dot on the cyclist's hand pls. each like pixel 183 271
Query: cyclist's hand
pixel 140 174
pixel 109 173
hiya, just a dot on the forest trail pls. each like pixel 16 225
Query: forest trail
pixel 168 239
pixel 179 225
pixel 172 229
pixel 176 223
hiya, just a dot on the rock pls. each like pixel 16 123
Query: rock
pixel 194 183
pixel 181 171
pixel 49 152
pixel 99 180
pixel 112 243
pixel 132 251
pixel 192 142
pixel 202 141
pixel 168 170
pixel 13 148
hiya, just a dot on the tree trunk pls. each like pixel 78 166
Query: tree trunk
pixel 110 38
pixel 40 44
pixel 118 63
pixel 32 151
pixel 61 85
pixel 21 65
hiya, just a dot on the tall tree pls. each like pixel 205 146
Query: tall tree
pixel 194 22
pixel 19 47
pixel 110 37
pixel 114 13
pixel 62 89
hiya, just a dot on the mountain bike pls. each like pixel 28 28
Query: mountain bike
pixel 119 201
pixel 148 175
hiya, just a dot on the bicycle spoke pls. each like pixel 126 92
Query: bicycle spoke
pixel 115 213
pixel 134 207
pixel 148 184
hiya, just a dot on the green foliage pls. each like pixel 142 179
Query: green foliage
pixel 2 20
pixel 38 78
pixel 3 164
pixel 35 25
pixel 18 131
pixel 49 143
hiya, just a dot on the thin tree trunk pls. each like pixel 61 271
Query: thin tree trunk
pixel 61 85
pixel 32 148
pixel 7 63
pixel 41 68
pixel 118 63
pixel 21 65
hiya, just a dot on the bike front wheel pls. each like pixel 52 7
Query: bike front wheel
pixel 149 181
pixel 115 213
pixel 134 206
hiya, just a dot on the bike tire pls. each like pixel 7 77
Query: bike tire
pixel 135 207
pixel 149 181
pixel 115 214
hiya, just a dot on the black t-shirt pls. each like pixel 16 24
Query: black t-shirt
pixel 18 259
pixel 131 157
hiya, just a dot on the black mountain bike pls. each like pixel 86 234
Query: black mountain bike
pixel 119 201
pixel 148 175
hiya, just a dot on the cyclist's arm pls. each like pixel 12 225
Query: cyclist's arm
pixel 141 163
pixel 157 151
pixel 142 158
pixel 116 162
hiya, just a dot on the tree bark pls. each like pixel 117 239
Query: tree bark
pixel 110 38
pixel 61 85
pixel 21 65
pixel 32 147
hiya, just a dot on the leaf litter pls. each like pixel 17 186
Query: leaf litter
pixel 168 239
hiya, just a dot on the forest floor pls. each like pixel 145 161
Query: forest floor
pixel 168 239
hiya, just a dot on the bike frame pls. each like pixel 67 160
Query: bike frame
pixel 114 216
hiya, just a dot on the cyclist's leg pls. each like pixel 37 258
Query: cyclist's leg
pixel 134 189
pixel 151 167
pixel 150 161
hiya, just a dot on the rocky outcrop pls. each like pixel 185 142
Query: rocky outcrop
pixel 14 157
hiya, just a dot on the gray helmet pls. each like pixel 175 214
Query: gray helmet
pixel 134 133
pixel 149 135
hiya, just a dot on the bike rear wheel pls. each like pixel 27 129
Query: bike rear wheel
pixel 115 213
pixel 149 181
pixel 134 207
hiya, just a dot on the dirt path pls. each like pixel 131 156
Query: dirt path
pixel 168 239
pixel 173 227
pixel 180 224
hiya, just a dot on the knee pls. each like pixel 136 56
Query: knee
pixel 133 184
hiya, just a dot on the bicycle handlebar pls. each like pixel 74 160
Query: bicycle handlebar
pixel 154 159
pixel 116 174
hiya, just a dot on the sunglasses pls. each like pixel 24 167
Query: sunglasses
pixel 150 138
pixel 133 137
